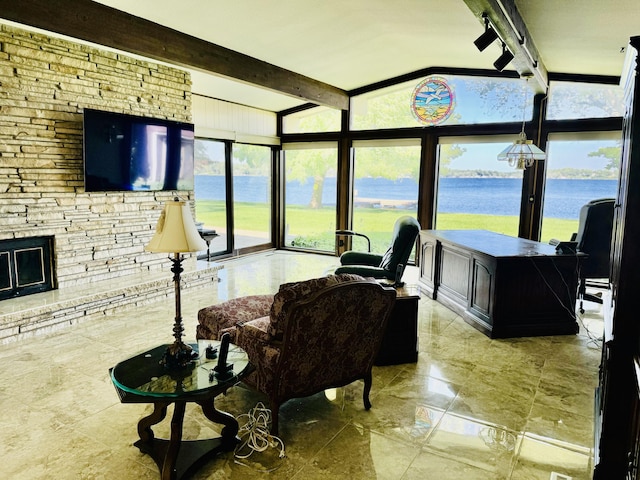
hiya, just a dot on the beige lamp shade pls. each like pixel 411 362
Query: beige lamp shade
pixel 176 231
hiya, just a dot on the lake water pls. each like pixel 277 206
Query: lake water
pixel 495 196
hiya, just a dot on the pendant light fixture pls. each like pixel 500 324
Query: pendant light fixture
pixel 522 153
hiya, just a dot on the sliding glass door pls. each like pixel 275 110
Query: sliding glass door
pixel 233 194
pixel 211 190
pixel 251 195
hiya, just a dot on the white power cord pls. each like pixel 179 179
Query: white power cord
pixel 255 433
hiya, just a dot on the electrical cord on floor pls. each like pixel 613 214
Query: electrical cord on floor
pixel 553 292
pixel 255 435
pixel 593 339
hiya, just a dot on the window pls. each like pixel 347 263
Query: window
pixel 251 195
pixel 572 100
pixel 580 168
pixel 385 188
pixel 476 100
pixel 317 119
pixel 310 195
pixel 210 189
pixel 475 190
pixel 251 203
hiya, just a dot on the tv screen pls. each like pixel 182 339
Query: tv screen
pixel 130 153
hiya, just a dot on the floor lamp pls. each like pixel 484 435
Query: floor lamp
pixel 176 233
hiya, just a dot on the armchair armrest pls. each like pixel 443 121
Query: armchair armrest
pixel 351 233
pixel 262 351
pixel 360 258
pixel 255 330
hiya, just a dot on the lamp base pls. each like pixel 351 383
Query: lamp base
pixel 178 355
pixel 223 371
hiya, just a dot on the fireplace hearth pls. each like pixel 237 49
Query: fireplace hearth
pixel 26 266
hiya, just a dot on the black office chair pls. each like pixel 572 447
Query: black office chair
pixel 368 264
pixel 594 238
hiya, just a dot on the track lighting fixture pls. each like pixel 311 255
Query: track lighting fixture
pixel 504 59
pixel 487 38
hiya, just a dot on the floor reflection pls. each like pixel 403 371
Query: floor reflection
pixel 471 407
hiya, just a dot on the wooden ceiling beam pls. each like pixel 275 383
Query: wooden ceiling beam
pixel 510 26
pixel 103 25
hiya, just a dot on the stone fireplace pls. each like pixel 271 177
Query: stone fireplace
pixel 26 266
pixel 99 237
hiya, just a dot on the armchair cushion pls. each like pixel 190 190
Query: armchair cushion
pixel 290 293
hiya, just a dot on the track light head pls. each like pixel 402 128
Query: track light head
pixel 486 39
pixel 504 59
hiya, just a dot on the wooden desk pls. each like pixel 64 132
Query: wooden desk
pixel 504 286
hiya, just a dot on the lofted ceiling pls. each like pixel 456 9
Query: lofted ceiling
pixel 353 43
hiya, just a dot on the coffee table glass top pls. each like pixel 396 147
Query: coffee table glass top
pixel 143 375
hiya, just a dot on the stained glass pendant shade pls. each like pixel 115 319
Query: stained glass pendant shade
pixel 522 153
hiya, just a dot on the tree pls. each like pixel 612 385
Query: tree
pixel 610 153
pixel 571 100
pixel 209 157
pixel 311 165
pixel 251 159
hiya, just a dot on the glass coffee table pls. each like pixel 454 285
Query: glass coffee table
pixel 142 379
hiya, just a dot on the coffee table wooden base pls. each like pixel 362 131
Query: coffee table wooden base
pixel 192 453
pixel 144 378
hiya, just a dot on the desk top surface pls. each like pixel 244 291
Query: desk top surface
pixel 494 244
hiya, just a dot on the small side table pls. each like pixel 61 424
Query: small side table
pixel 141 379
pixel 207 235
pixel 400 341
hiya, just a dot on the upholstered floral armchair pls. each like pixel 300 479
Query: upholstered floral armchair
pixel 310 336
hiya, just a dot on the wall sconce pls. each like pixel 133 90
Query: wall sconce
pixel 487 38
pixel 504 59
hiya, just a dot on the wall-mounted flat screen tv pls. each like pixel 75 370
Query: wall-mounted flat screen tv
pixel 131 153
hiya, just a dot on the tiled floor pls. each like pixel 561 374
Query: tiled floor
pixel 470 408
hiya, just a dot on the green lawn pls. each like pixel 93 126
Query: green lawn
pixel 315 228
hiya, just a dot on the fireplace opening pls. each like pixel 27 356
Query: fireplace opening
pixel 26 266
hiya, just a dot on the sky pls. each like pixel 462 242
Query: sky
pixel 560 154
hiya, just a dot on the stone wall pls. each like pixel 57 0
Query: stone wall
pixel 45 83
